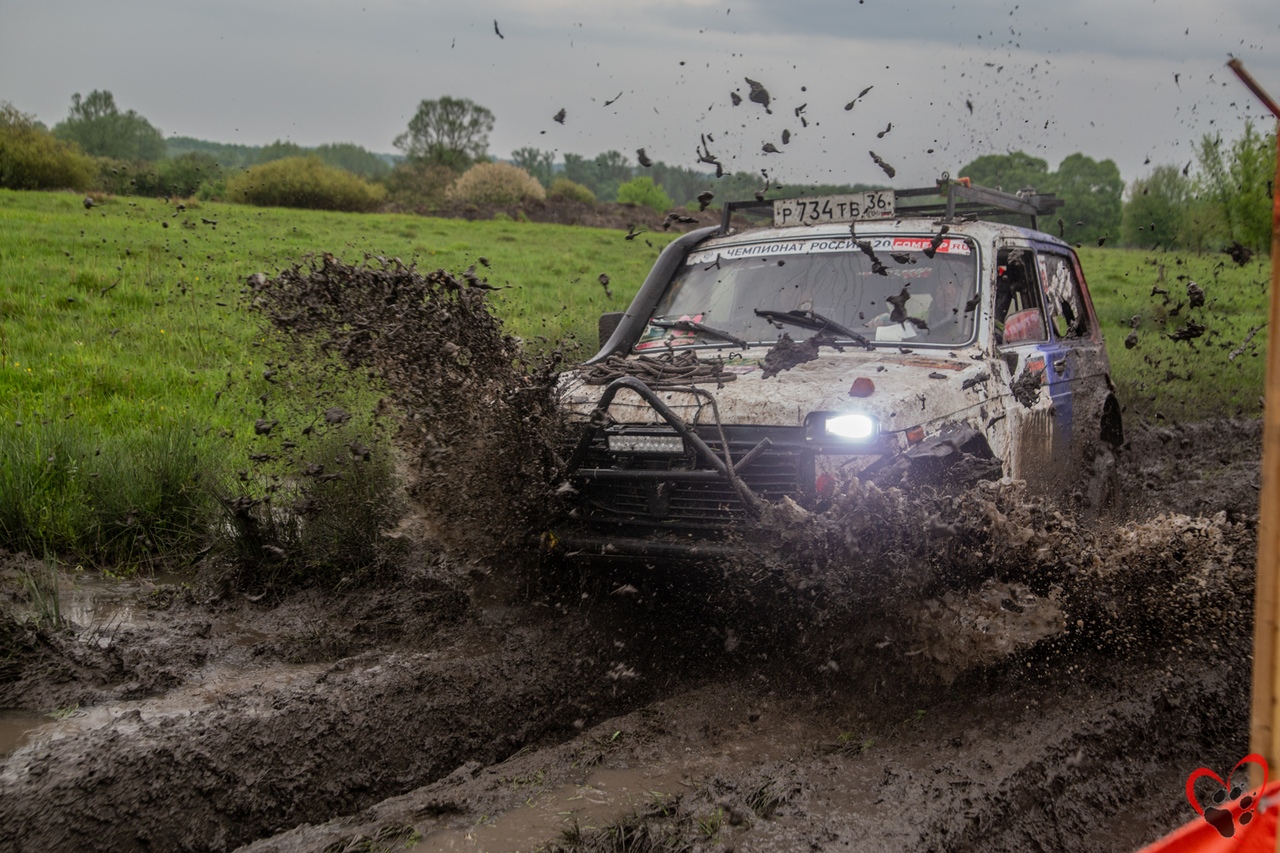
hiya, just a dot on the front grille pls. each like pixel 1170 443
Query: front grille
pixel 708 503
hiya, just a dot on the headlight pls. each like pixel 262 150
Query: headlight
pixel 851 427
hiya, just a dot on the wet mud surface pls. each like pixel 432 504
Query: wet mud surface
pixel 983 670
pixel 460 710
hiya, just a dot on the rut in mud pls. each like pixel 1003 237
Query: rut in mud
pixel 924 670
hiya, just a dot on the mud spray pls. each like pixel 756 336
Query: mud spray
pixel 924 669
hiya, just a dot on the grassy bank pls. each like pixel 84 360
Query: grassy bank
pixel 131 373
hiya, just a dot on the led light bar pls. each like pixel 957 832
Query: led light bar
pixel 646 444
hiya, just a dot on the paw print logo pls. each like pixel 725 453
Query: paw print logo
pixel 1230 805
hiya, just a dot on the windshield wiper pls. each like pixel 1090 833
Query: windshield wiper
pixel 815 321
pixel 695 326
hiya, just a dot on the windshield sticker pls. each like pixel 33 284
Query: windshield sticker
pixel 655 336
pixel 827 246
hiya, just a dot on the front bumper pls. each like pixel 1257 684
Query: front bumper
pixel 702 494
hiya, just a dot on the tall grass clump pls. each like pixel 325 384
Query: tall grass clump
pixel 304 182
pixel 40 585
pixel 496 183
pixel 122 500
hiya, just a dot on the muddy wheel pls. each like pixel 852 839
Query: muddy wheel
pixel 1112 428
pixel 1104 479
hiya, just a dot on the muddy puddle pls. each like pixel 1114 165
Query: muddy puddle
pixel 17 729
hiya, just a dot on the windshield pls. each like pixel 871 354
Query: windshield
pixel 885 289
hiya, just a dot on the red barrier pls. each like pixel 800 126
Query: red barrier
pixel 1205 834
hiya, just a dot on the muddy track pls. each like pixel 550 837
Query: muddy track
pixel 201 769
pixel 1013 764
pixel 461 710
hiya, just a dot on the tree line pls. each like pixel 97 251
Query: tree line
pixel 1226 201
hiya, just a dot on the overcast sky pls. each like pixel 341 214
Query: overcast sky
pixel 1129 80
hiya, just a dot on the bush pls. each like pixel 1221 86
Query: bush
pixel 496 183
pixel 32 159
pixel 415 186
pixel 178 177
pixel 304 182
pixel 644 192
pixel 563 189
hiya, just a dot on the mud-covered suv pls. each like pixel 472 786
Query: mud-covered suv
pixel 897 336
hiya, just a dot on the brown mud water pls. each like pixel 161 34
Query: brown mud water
pixel 981 671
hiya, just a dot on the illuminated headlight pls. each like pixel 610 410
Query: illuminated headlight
pixel 850 427
pixel 646 444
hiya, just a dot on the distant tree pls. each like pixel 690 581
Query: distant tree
pixel 1092 191
pixel 279 150
pixel 228 155
pixel 1153 215
pixel 451 132
pixel 681 184
pixel 1010 172
pixel 540 164
pixel 601 175
pixel 96 124
pixel 354 159
pixel 611 169
pixel 740 186
pixel 1237 182
pixel 643 191
pixel 580 170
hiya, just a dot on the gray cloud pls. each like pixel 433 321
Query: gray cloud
pixel 1080 75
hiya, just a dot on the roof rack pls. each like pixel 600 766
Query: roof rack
pixel 946 201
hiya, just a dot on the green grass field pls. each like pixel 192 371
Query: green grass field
pixel 1179 379
pixel 125 340
pixel 124 334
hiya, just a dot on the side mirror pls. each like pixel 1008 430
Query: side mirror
pixel 608 324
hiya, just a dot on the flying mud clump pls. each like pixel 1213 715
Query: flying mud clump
pixel 475 412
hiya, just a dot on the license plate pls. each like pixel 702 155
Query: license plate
pixel 873 204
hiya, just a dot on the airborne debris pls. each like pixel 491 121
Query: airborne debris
pixel 859 97
pixel 759 94
pixel 885 167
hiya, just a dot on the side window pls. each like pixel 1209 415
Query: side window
pixel 1067 310
pixel 1019 315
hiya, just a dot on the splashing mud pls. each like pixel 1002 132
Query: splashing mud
pixel 475 411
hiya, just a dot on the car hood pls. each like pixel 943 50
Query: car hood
pixel 902 390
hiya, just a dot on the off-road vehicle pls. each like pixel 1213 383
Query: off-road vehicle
pixel 903 336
